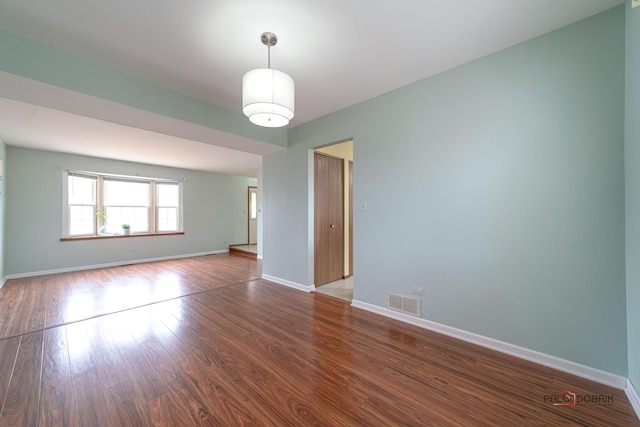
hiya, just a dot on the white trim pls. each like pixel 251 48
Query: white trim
pixel 2 282
pixel 633 397
pixel 111 264
pixel 288 283
pixel 554 362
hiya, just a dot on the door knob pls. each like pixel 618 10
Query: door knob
pixel 332 226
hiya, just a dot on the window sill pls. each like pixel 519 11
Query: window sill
pixel 119 236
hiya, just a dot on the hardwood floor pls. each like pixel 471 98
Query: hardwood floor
pixel 201 341
pixel 250 251
pixel 34 303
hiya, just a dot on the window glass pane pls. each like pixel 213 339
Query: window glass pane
pixel 126 193
pixel 140 221
pixel 114 219
pixel 253 205
pixel 167 219
pixel 81 219
pixel 168 194
pixel 82 190
pixel 136 217
pixel 168 202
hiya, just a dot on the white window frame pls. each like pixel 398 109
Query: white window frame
pixel 100 178
pixel 66 225
pixel 157 206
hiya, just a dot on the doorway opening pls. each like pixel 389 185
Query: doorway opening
pixel 333 220
pixel 250 248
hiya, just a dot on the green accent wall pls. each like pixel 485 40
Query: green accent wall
pixel 45 64
pixel 632 171
pixel 3 156
pixel 497 186
pixel 212 206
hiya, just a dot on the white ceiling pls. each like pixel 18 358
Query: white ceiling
pixel 339 52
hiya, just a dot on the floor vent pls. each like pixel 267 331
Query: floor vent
pixel 403 304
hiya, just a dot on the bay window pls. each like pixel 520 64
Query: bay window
pixel 99 205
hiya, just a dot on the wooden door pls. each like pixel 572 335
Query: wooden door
pixel 329 219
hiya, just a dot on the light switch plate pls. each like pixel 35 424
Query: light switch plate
pixel 635 3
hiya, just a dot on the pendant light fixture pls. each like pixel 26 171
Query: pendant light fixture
pixel 268 94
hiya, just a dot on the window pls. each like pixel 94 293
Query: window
pixel 126 202
pixel 82 204
pixel 98 205
pixel 168 206
pixel 253 205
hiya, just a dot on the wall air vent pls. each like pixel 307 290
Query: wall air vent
pixel 403 304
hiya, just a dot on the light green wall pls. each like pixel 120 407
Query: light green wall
pixel 497 186
pixel 632 173
pixel 286 191
pixel 211 205
pixel 42 63
pixel 260 215
pixel 3 156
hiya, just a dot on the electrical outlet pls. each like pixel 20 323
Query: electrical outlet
pixel 635 3
pixel 417 291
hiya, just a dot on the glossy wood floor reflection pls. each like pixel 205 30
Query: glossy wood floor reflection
pixel 257 353
pixel 33 303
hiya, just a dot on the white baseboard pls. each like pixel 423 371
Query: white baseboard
pixel 288 283
pixel 563 365
pixel 2 282
pixel 110 264
pixel 633 397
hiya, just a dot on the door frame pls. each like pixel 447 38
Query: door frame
pixel 350 195
pixel 310 276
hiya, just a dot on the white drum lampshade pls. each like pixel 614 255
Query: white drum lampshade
pixel 268 97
